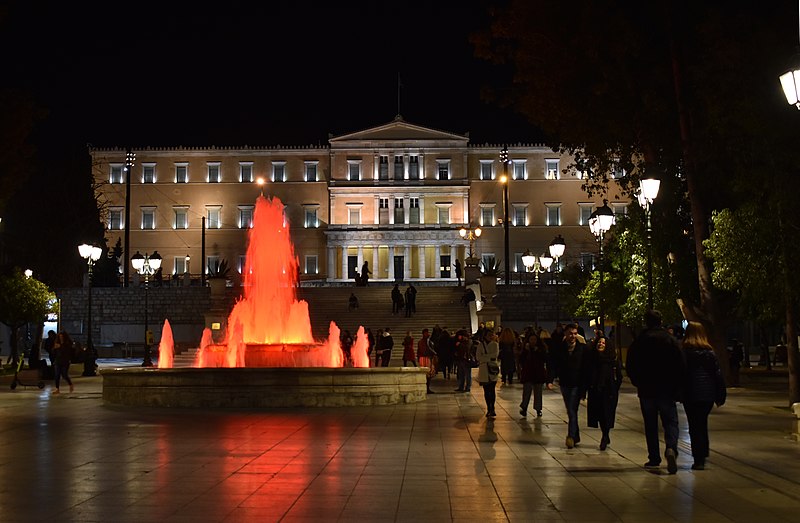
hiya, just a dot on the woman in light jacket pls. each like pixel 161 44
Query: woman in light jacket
pixel 488 369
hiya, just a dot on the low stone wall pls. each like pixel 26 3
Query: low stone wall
pixel 263 387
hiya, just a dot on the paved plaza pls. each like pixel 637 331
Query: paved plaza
pixel 71 458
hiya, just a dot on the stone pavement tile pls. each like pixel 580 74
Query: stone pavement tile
pixel 484 515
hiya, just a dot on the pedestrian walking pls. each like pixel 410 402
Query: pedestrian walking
pixel 64 350
pixel 488 369
pixel 705 386
pixel 508 360
pixel 385 345
pixel 533 373
pixel 656 368
pixel 570 369
pixel 408 351
pixel 605 380
pixel 427 357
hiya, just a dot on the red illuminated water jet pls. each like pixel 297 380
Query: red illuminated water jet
pixel 269 326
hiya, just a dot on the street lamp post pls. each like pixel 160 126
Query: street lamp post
pixel 648 191
pixel 471 235
pixel 145 266
pixel 556 248
pixel 536 265
pixel 130 157
pixel 790 80
pixel 504 181
pixel 91 254
pixel 600 221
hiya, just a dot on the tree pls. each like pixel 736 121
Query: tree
pixel 677 89
pixel 22 300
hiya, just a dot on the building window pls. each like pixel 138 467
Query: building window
pixel 620 209
pixel 311 171
pixel 617 171
pixel 148 173
pixel 413 167
pixel 246 172
pixel 413 210
pixel 116 173
pixel 278 171
pixel 181 173
pixel 586 260
pixel 443 169
pixel 486 169
pixel 399 168
pixel 311 220
pixel 354 170
pixel 399 212
pixel 444 215
pixel 551 171
pixel 115 222
pixel 179 267
pixel 520 218
pixel 383 203
pixel 212 218
pixel 181 217
pixel 398 203
pixel 354 216
pixel 585 212
pixel 241 264
pixel 518 265
pixel 383 168
pixel 245 216
pixel 519 170
pixel 311 264
pixel 413 203
pixel 214 175
pixel 148 218
pixel 212 264
pixel 553 214
pixel 487 215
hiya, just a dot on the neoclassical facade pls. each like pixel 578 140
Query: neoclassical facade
pixel 394 196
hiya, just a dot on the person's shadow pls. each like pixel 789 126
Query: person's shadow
pixel 486 443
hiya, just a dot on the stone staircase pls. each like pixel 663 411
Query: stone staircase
pixel 435 305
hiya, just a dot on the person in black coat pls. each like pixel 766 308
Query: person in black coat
pixel 569 367
pixel 656 368
pixel 704 386
pixel 533 373
pixel 605 379
pixel 385 345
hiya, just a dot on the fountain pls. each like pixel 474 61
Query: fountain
pixel 269 356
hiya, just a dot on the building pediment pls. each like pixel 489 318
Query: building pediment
pixel 395 131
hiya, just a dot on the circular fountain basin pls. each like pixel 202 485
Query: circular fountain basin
pixel 263 387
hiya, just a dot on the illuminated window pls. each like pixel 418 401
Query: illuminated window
pixel 551 171
pixel 181 217
pixel 443 211
pixel 553 214
pixel 246 172
pixel 443 169
pixel 179 267
pixel 486 169
pixel 214 174
pixel 116 173
pixel 311 264
pixel 115 220
pixel 148 218
pixel 519 170
pixel 585 212
pixel 383 168
pixel 399 168
pixel 413 210
pixel 617 171
pixel 520 216
pixel 148 173
pixel 620 209
pixel 278 171
pixel 487 215
pixel 212 264
pixel 413 167
pixel 212 217
pixel 311 219
pixel 181 173
pixel 354 170
pixel 383 203
pixel 311 171
pixel 354 216
pixel 245 216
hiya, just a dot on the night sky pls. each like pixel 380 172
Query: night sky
pixel 139 74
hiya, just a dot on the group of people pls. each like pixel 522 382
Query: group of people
pixel 404 301
pixel 60 349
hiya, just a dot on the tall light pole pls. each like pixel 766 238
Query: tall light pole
pixel 504 181
pixel 130 157
pixel 648 191
pixel 600 221
pixel 790 80
pixel 556 248
pixel 146 265
pixel 471 235
pixel 91 254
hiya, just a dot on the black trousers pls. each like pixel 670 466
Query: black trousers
pixel 697 415
pixel 489 394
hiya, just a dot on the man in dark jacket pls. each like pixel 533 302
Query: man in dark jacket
pixel 655 366
pixel 385 345
pixel 569 367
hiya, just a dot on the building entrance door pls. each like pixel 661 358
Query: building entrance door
pixel 352 266
pixel 399 268
pixel 444 266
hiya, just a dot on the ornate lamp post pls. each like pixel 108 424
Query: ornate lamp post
pixel 146 265
pixel 600 221
pixel 536 265
pixel 91 254
pixel 504 181
pixel 648 191
pixel 471 235
pixel 556 248
pixel 790 82
pixel 130 157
